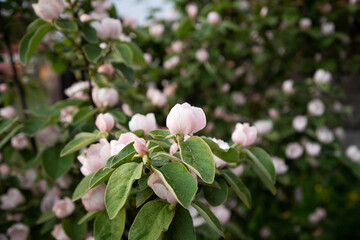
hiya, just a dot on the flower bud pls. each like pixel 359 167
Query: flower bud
pixel 148 57
pixel 213 18
pixel 94 199
pixel 223 145
pixel 192 10
pixel 106 69
pixel 140 146
pixel 299 123
pixel 244 135
pixel 105 97
pixel 105 122
pixel 280 165
pixel 185 119
pixel 172 62
pixel 160 189
pixel 108 28
pixel 49 135
pixel 11 199
pixel 19 141
pixel 318 215
pixel 18 231
pixel 316 107
pixel 263 126
pixel 130 22
pixel 177 46
pixel 353 152
pixel 48 201
pixel 117 145
pixel 294 150
pixel 143 122
pixel 49 10
pixel 264 11
pixel 156 97
pixel 3 87
pixel 8 112
pixel 312 149
pixel 101 5
pixel 287 86
pixel 78 90
pixel 305 23
pixel 238 98
pixel 222 213
pixel 58 233
pixel 202 55
pixel 63 207
pixel 327 28
pixel 85 18
pixel 156 30
pixel 322 76
pixel 325 135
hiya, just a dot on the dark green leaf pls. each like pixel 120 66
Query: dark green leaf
pixel 160 134
pixel 238 186
pixel 182 227
pixel 209 217
pixel 122 157
pixel 142 196
pixel 126 71
pixel 88 217
pixel 82 188
pixel 216 196
pixel 83 114
pixel 90 34
pixel 45 217
pixel 92 52
pixel 73 230
pixel 81 140
pixel 104 228
pixel 123 53
pixel 229 155
pixel 66 25
pixel 6 124
pixel 54 165
pixel 100 176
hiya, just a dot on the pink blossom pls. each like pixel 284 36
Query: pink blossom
pixel 11 199
pixel 106 69
pixel 156 30
pixel 244 135
pixel 192 10
pixel 214 18
pixel 143 122
pixel 105 97
pixel 58 233
pixel 18 231
pixel 93 200
pixel 140 146
pixel 49 199
pixel 19 141
pixel 49 10
pixel 63 207
pixel 108 28
pixel 202 55
pixel 105 122
pixel 8 112
pixel 78 90
pixel 160 189
pixel 49 135
pixel 124 139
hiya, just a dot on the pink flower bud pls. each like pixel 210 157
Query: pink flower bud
pixel 18 231
pixel 299 123
pixel 264 11
pixel 191 10
pixel 78 90
pixel 294 150
pixel 27 181
pixel 108 28
pixel 202 55
pixel 11 199
pixel 106 69
pixel 130 22
pixel 238 98
pixel 318 215
pixel 19 141
pixel 327 28
pixel 312 148
pixel 93 200
pixel 4 169
pixel 105 97
pixel 172 62
pixel 222 213
pixel 156 30
pixel 213 18
pixel 143 122
pixel 156 96
pixel 305 23
pixel 49 136
pixel 316 107
pixel 3 87
pixel 105 122
pixel 58 233
pixel 85 17
pixel 95 157
pixel 321 76
pixel 287 86
pixel 63 207
pixel 48 201
pixel 325 135
pixel 49 10
pixel 140 146
pixel 177 46
pixel 353 152
pixel 160 189
pixel 280 165
pixel 185 119
pixel 8 112
pixel 244 135
pixel 223 145
pixel 263 126
pixel 148 57
pixel 124 139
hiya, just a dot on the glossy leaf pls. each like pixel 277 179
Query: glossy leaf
pixel 100 176
pixel 82 187
pixel 216 196
pixel 238 186
pixel 138 57
pixel 104 228
pixel 229 155
pixel 160 134
pixel 92 52
pixel 66 25
pixel 209 217
pixel 122 157
pixel 54 165
pixel 124 53
pixel 90 34
pixel 182 227
pixel 81 140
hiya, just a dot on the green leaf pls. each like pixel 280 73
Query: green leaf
pixel 6 124
pixel 153 219
pixel 83 114
pixel 182 227
pixel 100 176
pixel 66 25
pixel 166 156
pixel 90 34
pixel 119 186
pixel 229 155
pixel 119 116
pixel 104 228
pixel 88 217
pixel 45 217
pixel 33 125
pixel 197 155
pixel 122 157
pixel 81 140
pixel 124 53
pixel 138 56
pixel 179 181
pixel 30 42
pixel 238 186
pixel 35 24
pixel 142 196
pixel 160 134
pixel 126 71
pixel 216 196
pixel 54 165
pixel 209 217
pixel 82 188
pixel 263 166
pixel 73 230
pixel 92 52
pixel 185 26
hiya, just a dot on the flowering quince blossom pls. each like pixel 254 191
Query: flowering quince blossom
pixel 117 145
pixel 63 207
pixel 263 126
pixel 28 179
pixel 324 135
pixel 238 98
pixel 172 62
pixel 322 76
pixel 18 231
pixel 105 97
pixel 101 5
pixel 223 145
pixel 93 200
pixel 177 46
pixel 77 90
pixel 305 23
pixel 143 122
pixel 299 123
pixel 11 199
pixel 156 30
pixel 160 189
pixel 191 10
pixel 106 69
pixel 316 107
pixel 294 150
pixel 85 18
pixel 8 112
pixel 49 10
pixel 327 28
pixel 108 28
pixel 244 135
pixel 213 18
pixel 318 215
pixel 156 97
pixel 353 152
pixel 19 141
pixel 105 122
pixel 148 57
pixel 49 135
pixel 140 146
pixel 288 86
pixel 202 55
pixel 280 165
pixel 184 119
pixel 58 233
pixel 49 199
pixel 95 157
pixel 312 148
pixel 222 213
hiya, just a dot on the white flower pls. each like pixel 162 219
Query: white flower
pixel 353 152
pixel 280 165
pixel 316 107
pixel 263 126
pixel 294 150
pixel 299 123
pixel 324 135
pixel 322 76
